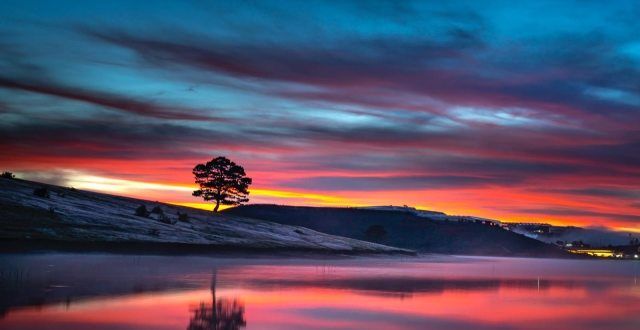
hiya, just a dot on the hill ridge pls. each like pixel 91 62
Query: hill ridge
pixel 405 230
pixel 77 216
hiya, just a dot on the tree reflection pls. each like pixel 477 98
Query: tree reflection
pixel 220 314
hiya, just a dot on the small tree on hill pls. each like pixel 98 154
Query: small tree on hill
pixel 141 211
pixel 157 210
pixel 222 181
pixel 7 175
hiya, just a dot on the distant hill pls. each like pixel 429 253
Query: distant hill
pixel 593 236
pixel 68 216
pixel 404 229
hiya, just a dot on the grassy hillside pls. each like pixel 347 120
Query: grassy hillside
pixel 72 216
pixel 404 230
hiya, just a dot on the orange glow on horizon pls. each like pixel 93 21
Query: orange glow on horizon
pixel 495 202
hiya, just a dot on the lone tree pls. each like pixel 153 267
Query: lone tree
pixel 222 181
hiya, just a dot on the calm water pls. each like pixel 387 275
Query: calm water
pixel 101 291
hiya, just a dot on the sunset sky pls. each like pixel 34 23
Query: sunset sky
pixel 519 112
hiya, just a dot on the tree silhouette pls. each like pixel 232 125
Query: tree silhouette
pixel 222 181
pixel 141 211
pixel 7 175
pixel 221 314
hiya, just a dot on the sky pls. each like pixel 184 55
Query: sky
pixel 518 111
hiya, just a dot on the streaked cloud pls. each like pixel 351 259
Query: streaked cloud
pixel 466 107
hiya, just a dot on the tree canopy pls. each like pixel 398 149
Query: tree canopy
pixel 222 181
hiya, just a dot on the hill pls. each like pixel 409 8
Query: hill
pixel 404 229
pixel 69 216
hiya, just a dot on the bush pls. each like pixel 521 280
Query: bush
pixel 183 217
pixel 165 219
pixel 157 210
pixel 7 175
pixel 41 192
pixel 141 211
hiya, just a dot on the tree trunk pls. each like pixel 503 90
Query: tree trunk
pixel 215 209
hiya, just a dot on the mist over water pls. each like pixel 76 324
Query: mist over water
pixel 107 291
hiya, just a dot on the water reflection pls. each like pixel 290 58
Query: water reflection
pixel 220 314
pixel 111 291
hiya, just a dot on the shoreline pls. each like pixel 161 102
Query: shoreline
pixel 179 249
pixel 155 248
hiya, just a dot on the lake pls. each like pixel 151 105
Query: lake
pixel 110 291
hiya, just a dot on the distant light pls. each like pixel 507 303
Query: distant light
pixel 635 256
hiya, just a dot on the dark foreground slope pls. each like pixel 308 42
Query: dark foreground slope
pixel 404 230
pixel 69 217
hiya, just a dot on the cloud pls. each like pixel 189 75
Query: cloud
pixel 393 183
pixel 366 97
pixel 107 100
pixel 577 213
pixel 119 139
pixel 618 192
pixel 369 71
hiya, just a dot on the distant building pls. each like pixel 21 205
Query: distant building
pixel 603 253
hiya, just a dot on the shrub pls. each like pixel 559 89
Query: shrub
pixel 141 211
pixel 166 219
pixel 41 192
pixel 183 217
pixel 7 175
pixel 157 210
